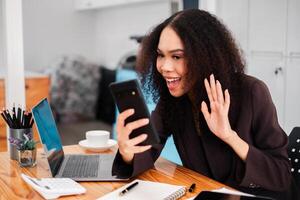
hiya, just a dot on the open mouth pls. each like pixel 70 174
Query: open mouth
pixel 173 83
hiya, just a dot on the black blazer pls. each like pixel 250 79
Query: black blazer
pixel 266 170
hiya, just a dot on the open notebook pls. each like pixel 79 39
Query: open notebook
pixel 148 190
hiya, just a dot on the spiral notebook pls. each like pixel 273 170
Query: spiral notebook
pixel 147 190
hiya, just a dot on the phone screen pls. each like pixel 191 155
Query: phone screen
pixel 127 94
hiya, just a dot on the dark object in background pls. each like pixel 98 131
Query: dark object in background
pixel 188 4
pixel 105 107
pixel 128 61
pixel 137 38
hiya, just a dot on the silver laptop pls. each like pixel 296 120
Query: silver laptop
pixel 96 167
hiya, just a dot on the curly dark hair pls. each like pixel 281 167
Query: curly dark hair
pixel 209 48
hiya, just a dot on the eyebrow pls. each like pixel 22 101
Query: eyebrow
pixel 172 51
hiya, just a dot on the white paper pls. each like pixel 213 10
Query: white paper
pixel 144 190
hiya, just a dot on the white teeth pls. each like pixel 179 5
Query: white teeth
pixel 170 80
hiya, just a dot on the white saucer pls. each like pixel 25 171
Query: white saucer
pixel 84 144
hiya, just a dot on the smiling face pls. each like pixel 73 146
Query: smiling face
pixel 171 62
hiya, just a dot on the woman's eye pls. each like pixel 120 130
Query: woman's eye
pixel 176 57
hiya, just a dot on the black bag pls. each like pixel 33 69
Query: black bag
pixel 105 107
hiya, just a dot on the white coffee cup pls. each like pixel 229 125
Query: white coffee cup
pixel 97 137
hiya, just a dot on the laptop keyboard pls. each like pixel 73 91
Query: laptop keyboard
pixel 81 166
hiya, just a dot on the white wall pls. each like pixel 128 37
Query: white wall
pixel 52 28
pixel 13 50
pixel 116 24
pixel 1 36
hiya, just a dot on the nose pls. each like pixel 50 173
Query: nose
pixel 166 65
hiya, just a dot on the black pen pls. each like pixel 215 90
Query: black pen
pixel 19 111
pixel 192 187
pixel 128 188
pixel 9 119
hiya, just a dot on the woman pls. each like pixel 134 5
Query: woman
pixel 230 135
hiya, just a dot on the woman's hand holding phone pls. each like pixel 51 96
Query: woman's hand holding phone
pixel 128 147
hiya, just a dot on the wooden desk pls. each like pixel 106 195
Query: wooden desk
pixel 13 187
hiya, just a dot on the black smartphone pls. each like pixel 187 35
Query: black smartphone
pixel 128 94
pixel 210 195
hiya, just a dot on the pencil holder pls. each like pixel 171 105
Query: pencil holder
pixel 16 136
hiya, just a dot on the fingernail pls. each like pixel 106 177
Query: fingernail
pixel 132 111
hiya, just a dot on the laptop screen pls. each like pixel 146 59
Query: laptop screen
pixel 49 135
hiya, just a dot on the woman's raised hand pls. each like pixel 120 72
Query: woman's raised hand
pixel 217 119
pixel 128 147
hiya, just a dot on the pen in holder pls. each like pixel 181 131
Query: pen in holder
pixel 20 130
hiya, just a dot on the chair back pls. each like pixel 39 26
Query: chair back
pixel 294 153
